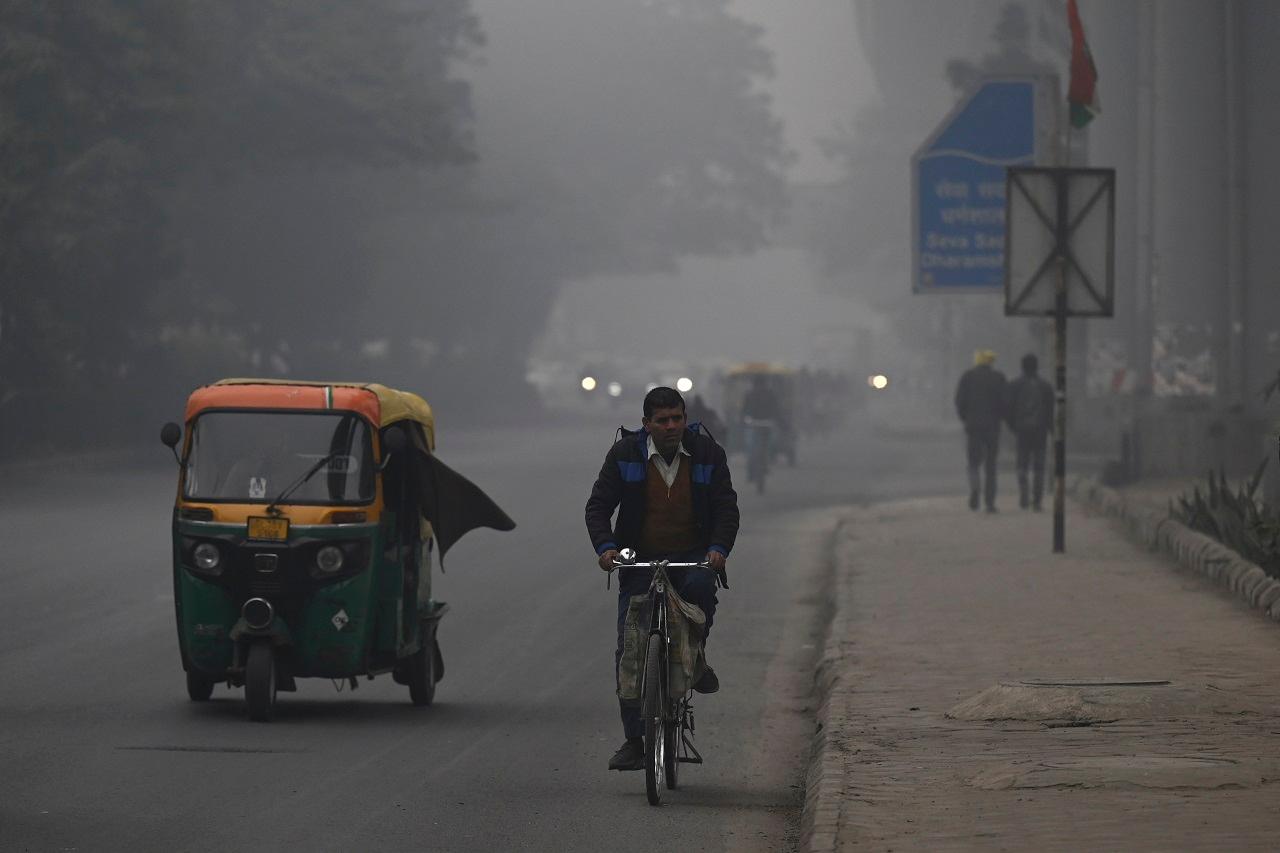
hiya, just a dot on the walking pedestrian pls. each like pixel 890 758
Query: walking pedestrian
pixel 980 403
pixel 1030 416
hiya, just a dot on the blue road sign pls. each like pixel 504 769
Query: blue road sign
pixel 958 202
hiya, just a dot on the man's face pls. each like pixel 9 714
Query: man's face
pixel 666 426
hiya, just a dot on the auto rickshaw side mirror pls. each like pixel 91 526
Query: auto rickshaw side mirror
pixel 170 435
pixel 393 441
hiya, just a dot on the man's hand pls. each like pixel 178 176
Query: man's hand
pixel 607 560
pixel 716 562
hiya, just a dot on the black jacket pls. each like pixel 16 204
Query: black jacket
pixel 1031 402
pixel 980 398
pixel 622 482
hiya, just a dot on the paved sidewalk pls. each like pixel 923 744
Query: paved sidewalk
pixel 985 694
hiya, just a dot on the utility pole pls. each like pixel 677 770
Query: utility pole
pixel 1235 374
pixel 1142 323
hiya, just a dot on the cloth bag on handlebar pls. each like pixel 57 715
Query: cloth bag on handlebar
pixel 685 623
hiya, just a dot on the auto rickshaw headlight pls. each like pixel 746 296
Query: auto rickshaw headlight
pixel 207 557
pixel 329 559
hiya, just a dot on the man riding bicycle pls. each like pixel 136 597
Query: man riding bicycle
pixel 675 501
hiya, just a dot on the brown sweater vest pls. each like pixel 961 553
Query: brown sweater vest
pixel 669 526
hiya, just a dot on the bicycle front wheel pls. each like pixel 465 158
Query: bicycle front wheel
pixel 652 706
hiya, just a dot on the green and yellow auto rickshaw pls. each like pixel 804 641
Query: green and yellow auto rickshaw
pixel 306 519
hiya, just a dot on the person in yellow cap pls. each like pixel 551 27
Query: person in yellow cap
pixel 980 403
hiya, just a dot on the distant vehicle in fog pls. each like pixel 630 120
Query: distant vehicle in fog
pixel 763 392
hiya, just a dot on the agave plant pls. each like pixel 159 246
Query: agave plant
pixel 1238 519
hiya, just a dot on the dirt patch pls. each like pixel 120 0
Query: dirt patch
pixel 1119 771
pixel 1096 702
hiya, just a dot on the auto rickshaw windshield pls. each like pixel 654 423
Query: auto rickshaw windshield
pixel 252 456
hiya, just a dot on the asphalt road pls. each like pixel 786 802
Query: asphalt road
pixel 101 750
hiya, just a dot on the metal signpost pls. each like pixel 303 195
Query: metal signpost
pixel 1060 262
pixel 958 182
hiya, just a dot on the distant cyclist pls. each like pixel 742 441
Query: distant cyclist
pixel 764 429
pixel 761 403
pixel 675 501
pixel 701 413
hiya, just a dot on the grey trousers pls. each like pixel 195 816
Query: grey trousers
pixel 1031 453
pixel 981 447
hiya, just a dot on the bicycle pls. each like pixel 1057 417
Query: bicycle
pixel 668 720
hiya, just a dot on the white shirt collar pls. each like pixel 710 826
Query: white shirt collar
pixel 653 450
pixel 667 470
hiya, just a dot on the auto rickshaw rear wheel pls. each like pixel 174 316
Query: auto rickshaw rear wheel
pixel 199 688
pixel 260 681
pixel 422 671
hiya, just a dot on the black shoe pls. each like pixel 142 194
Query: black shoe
pixel 1036 507
pixel 630 756
pixel 992 508
pixel 973 500
pixel 708 683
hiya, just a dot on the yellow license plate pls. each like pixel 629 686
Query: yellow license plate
pixel 269 529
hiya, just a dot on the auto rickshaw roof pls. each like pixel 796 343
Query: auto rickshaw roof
pixel 751 368
pixel 378 403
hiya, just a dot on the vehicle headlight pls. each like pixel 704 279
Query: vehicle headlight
pixel 329 559
pixel 207 557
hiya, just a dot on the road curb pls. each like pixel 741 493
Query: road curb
pixel 825 780
pixel 1189 548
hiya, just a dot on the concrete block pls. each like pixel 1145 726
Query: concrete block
pixel 1251 581
pixel 1173 534
pixel 1216 558
pixel 1249 576
pixel 1239 568
pixel 1268 595
pixel 1205 550
pixel 1232 573
pixel 1198 550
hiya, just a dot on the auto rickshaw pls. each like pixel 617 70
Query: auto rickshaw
pixel 306 518
pixel 737 382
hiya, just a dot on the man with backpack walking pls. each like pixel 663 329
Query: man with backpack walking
pixel 1030 416
pixel 980 403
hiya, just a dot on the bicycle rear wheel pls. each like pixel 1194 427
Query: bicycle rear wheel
pixel 672 731
pixel 653 706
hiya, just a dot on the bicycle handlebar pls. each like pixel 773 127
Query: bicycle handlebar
pixel 627 560
pixel 653 564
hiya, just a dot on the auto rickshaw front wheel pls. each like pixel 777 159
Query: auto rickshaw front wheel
pixel 260 681
pixel 199 688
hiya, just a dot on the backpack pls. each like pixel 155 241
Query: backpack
pixel 1028 406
